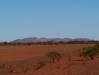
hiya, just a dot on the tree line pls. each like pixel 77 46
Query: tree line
pixel 49 43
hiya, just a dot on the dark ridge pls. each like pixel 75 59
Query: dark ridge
pixel 51 41
pixel 36 40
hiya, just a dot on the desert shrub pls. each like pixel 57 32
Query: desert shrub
pixel 90 52
pixel 53 56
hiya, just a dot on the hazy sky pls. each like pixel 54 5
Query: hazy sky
pixel 49 18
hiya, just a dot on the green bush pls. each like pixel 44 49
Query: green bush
pixel 90 52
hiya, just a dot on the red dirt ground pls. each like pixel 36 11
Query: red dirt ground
pixel 21 56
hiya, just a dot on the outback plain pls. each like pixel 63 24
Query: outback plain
pixel 61 59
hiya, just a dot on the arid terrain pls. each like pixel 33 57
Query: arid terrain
pixel 33 60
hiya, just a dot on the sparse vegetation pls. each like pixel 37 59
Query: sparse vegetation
pixel 49 60
pixel 53 56
pixel 90 52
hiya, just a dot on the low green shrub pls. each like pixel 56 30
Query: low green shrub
pixel 90 52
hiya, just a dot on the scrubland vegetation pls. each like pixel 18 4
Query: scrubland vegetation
pixel 90 52
pixel 52 57
pixel 25 66
pixel 49 43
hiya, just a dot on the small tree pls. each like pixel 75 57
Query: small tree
pixel 53 56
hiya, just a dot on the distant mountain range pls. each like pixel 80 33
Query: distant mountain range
pixel 35 40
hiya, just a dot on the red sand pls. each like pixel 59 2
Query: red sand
pixel 70 63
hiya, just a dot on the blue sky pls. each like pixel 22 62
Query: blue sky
pixel 49 18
